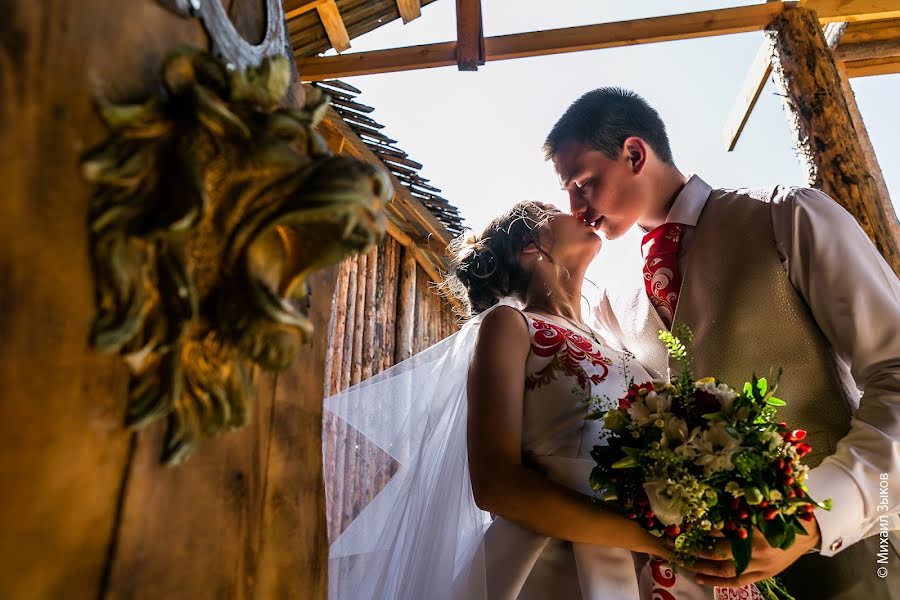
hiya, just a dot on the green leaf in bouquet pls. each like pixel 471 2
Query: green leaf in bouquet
pixel 713 416
pixel 790 535
pixel 598 479
pixel 798 528
pixel 748 390
pixel 774 531
pixel 609 494
pixel 825 504
pixel 773 401
pixel 741 551
pixel 762 386
pixel 628 462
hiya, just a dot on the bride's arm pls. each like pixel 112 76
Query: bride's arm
pixel 500 482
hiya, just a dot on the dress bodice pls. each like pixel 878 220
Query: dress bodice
pixel 569 375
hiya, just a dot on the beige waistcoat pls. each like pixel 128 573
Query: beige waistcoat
pixel 747 317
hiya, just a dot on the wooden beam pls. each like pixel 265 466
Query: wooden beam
pixel 590 37
pixel 295 8
pixel 409 10
pixel 753 86
pixel 543 43
pixel 334 25
pixel 874 169
pixel 868 50
pixel 829 11
pixel 874 66
pixel 469 35
pixel 827 141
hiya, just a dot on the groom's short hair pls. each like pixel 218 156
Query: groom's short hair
pixel 604 118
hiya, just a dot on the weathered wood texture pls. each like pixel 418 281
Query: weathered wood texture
pixel 402 314
pixel 824 133
pixel 64 451
pixel 87 511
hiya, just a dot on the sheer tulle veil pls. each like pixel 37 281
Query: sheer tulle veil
pixel 422 535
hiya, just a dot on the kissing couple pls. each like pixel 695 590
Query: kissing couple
pixel 491 497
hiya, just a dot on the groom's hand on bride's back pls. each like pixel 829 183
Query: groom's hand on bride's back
pixel 765 560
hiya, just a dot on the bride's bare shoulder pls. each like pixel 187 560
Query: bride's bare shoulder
pixel 504 324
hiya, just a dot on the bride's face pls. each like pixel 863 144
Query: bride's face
pixel 570 241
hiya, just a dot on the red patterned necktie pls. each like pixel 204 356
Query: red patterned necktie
pixel 661 276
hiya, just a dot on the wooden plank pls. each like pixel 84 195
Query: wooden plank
pixel 824 135
pixel 542 43
pixel 406 307
pixel 334 25
pixel 874 49
pixel 409 10
pixel 589 37
pixel 754 82
pixel 873 66
pixel 213 502
pixel 829 11
pixel 469 35
pixel 293 554
pixel 65 453
pixel 870 31
pixel 295 8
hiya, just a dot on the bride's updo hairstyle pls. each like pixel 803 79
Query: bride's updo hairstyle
pixel 486 268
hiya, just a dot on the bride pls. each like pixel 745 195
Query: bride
pixel 491 497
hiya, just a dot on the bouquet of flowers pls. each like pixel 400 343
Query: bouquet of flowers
pixel 693 458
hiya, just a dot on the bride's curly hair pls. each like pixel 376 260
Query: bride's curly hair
pixel 485 268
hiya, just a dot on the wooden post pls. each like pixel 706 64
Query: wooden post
pixel 868 151
pixel 406 307
pixel 827 142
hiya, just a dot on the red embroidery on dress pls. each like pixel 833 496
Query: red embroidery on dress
pixel 568 350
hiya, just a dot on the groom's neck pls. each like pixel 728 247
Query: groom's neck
pixel 666 182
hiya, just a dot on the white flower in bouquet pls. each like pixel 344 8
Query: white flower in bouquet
pixel 713 448
pixel 723 393
pixel 675 430
pixel 651 407
pixel 669 503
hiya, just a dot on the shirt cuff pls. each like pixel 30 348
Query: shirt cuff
pixel 843 525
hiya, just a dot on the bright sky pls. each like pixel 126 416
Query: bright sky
pixel 479 134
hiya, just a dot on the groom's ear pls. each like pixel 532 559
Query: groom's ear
pixel 636 152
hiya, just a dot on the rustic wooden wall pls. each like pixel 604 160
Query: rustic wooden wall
pixel 87 512
pixel 386 309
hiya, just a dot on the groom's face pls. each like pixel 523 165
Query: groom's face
pixel 603 191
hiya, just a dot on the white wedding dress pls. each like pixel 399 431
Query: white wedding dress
pixel 423 536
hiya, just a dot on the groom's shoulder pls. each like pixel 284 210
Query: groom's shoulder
pixel 776 194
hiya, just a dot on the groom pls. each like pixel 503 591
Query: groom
pixel 779 277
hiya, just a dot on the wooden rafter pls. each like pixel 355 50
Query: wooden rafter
pixel 830 14
pixel 591 37
pixel 409 221
pixel 334 25
pixel 753 86
pixel 295 8
pixel 469 35
pixel 409 10
pixel 542 43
